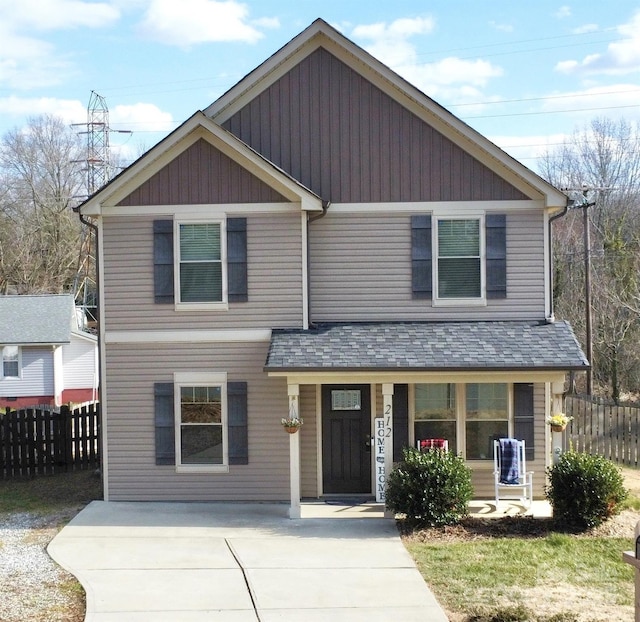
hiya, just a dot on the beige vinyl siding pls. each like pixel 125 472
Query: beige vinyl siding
pixel 132 371
pixel 309 441
pixel 360 270
pixel 274 248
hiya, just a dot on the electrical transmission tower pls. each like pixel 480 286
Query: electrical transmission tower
pixel 98 168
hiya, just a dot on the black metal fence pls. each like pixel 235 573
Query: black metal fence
pixel 42 441
pixel 605 429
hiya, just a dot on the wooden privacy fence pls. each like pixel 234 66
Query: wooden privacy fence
pixel 605 429
pixel 39 441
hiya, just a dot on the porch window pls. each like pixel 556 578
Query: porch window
pixel 487 418
pixel 435 412
pixel 200 425
pixel 11 362
pixel 459 258
pixel 201 262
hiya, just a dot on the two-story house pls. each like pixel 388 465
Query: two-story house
pixel 323 241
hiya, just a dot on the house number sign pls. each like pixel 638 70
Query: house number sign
pixel 380 433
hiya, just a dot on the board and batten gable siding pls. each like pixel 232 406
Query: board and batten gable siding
pixel 349 142
pixel 360 270
pixel 132 371
pixel 202 175
pixel 274 249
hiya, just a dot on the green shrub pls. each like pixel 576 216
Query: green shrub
pixel 430 488
pixel 584 490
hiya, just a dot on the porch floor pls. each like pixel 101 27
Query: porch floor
pixel 336 508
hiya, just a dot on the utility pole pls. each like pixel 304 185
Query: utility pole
pixel 586 242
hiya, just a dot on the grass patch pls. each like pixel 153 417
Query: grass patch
pixel 551 573
pixel 49 493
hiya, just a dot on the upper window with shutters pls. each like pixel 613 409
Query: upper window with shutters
pixel 200 264
pixel 459 260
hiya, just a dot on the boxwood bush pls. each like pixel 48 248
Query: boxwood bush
pixel 584 490
pixel 431 488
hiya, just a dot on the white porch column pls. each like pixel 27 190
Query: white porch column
pixel 557 446
pixel 294 452
pixel 387 413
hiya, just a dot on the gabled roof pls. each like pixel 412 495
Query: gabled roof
pixel 320 34
pixel 427 346
pixel 199 126
pixel 31 320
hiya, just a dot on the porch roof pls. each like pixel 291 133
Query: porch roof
pixel 427 346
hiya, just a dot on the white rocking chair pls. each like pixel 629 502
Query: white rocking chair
pixel 510 471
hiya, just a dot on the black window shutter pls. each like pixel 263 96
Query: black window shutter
pixel 400 419
pixel 163 261
pixel 165 423
pixel 496 241
pixel 421 259
pixel 524 416
pixel 237 420
pixel 237 259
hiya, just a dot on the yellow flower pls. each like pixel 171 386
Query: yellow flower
pixel 559 419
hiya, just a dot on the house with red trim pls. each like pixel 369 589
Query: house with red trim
pixel 323 242
pixel 47 356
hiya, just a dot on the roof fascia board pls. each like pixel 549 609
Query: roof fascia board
pixel 403 377
pixel 197 127
pixel 320 34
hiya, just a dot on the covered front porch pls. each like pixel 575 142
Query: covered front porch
pixel 365 391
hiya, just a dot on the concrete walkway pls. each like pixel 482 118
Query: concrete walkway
pixel 240 563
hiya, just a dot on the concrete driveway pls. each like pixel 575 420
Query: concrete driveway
pixel 234 562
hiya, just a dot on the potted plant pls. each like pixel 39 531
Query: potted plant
pixel 291 424
pixel 558 422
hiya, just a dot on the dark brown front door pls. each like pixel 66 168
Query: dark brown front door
pixel 346 439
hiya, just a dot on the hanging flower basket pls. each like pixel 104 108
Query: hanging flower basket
pixel 558 422
pixel 291 424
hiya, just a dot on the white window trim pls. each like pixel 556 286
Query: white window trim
pixel 481 301
pixel 186 379
pixel 19 376
pixel 222 305
pixel 461 419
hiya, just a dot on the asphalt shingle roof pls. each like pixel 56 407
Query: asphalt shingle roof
pixel 455 346
pixel 44 319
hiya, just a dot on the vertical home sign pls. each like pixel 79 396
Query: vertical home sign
pixel 380 433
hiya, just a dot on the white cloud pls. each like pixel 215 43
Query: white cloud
pixel 57 14
pixel 621 57
pixel 563 11
pixel 141 117
pixel 190 22
pixel 69 110
pixel 451 79
pixel 586 28
pixel 501 27
pixel 27 61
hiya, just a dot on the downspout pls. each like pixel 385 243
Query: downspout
pixel 103 432
pixel 325 208
pixel 551 317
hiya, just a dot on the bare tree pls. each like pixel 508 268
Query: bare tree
pixel 41 179
pixel 601 164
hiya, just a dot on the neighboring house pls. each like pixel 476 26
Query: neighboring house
pixel 46 357
pixel 325 241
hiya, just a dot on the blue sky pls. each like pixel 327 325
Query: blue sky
pixel 525 74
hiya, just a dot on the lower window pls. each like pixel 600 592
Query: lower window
pixel 201 424
pixel 468 416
